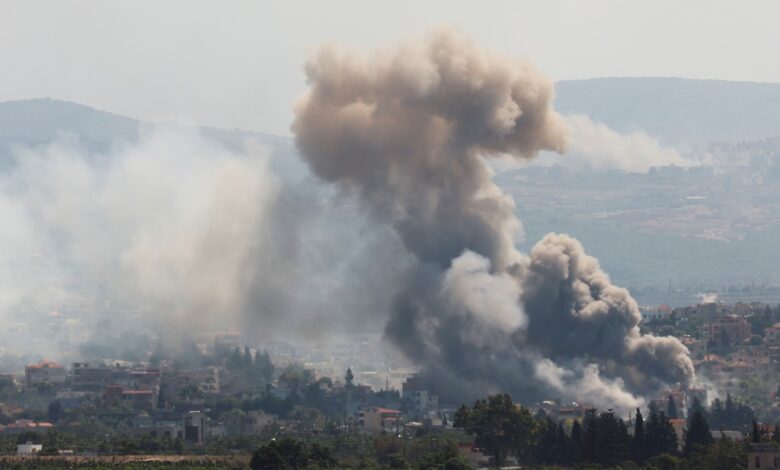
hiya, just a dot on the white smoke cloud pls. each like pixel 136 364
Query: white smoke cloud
pixel 596 145
pixel 166 228
pixel 470 288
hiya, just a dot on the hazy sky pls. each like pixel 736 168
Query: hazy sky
pixel 239 63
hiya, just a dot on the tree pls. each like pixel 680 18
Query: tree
pixel 638 451
pixel 723 455
pixel 756 435
pixel 729 414
pixel 267 458
pixel 671 407
pixel 696 407
pixel 698 436
pixel 456 463
pixel 554 446
pixel 55 411
pixel 606 440
pixel 661 437
pixel 234 361
pixel 653 408
pixel 320 456
pixel 500 427
pixel 248 360
pixel 291 454
pixel 263 366
pixel 576 441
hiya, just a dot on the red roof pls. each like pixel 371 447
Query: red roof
pixel 29 424
pixel 387 411
pixel 44 364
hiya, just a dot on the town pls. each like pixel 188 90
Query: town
pixel 223 396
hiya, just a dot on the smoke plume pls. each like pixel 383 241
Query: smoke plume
pixel 408 130
pixel 169 238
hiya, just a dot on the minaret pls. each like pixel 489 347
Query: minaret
pixel 348 386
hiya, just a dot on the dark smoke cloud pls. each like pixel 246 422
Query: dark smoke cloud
pixel 407 131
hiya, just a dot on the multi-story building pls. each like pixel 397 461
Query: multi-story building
pixel 44 372
pixel 730 329
pixel 418 396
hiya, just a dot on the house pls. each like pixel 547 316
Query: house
pixel 159 430
pixel 733 435
pixel 24 425
pixel 763 456
pixel 256 421
pixel 772 334
pixel 28 448
pixel 376 420
pixel 44 372
pixel 139 400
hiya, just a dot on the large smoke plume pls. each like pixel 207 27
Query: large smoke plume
pixel 167 240
pixel 408 130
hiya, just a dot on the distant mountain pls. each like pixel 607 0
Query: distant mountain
pixel 39 121
pixel 42 121
pixel 677 111
pixel 701 228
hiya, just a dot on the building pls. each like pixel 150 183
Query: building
pixel 44 372
pixel 696 347
pixel 772 334
pixel 86 377
pixel 70 399
pixel 195 427
pixel 256 421
pixel 138 400
pixel 763 456
pixel 421 402
pixel 375 420
pixel 228 341
pixel 158 430
pixel 659 313
pixel 418 396
pixel 28 448
pixel 727 330
pixel 25 425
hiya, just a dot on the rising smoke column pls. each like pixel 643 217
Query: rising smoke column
pixel 406 131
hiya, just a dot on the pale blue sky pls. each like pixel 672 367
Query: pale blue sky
pixel 239 63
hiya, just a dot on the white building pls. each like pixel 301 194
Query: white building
pixel 28 448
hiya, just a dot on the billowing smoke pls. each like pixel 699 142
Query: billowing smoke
pixel 408 130
pixel 156 235
pixel 595 145
pixel 168 238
